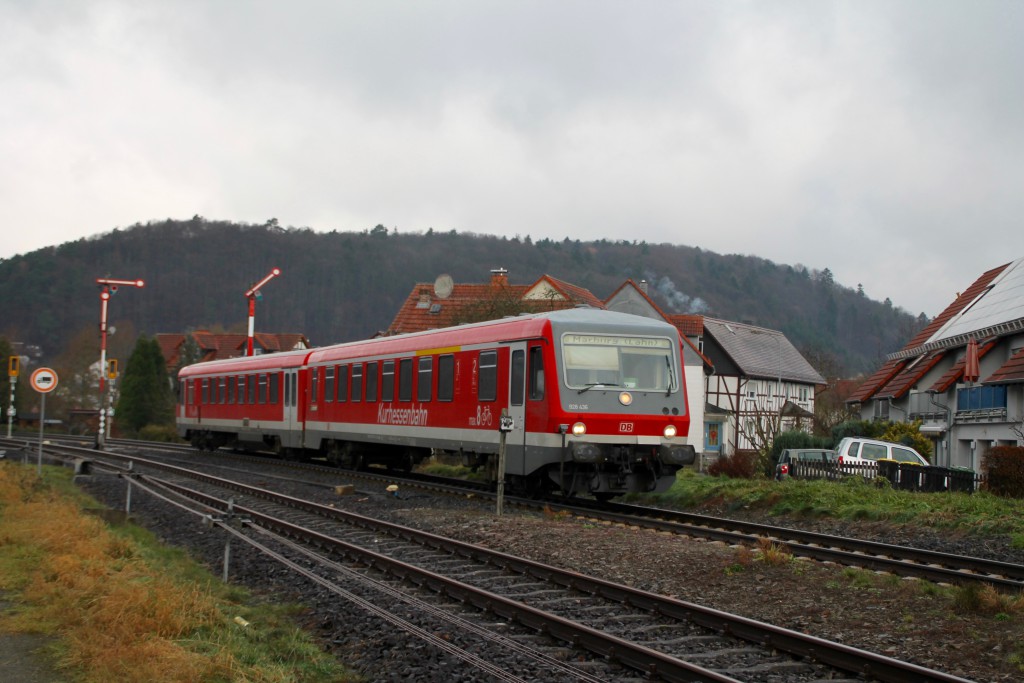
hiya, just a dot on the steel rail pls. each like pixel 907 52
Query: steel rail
pixel 833 654
pixel 617 649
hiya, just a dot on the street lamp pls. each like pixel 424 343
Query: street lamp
pixel 251 294
pixel 107 287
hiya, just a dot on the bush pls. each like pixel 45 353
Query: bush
pixel 1004 469
pixel 908 434
pixel 161 433
pixel 739 465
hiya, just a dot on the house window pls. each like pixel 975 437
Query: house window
pixel 981 398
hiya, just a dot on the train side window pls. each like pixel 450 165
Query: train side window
pixel 536 373
pixel 188 394
pixel 240 389
pixel 424 383
pixel 387 385
pixel 314 385
pixel 251 382
pixel 275 387
pixel 446 378
pixel 261 379
pixel 221 389
pixel 518 377
pixel 342 383
pixel 206 390
pixel 372 378
pixel 487 390
pixel 329 385
pixel 357 382
pixel 405 379
pixel 231 390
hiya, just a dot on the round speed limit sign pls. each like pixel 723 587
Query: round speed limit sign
pixel 43 380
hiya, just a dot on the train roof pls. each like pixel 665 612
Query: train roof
pixel 526 326
pixel 264 361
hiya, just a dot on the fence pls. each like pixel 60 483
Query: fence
pixel 903 476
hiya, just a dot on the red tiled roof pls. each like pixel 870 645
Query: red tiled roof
pixel 889 369
pixel 951 376
pixel 424 310
pixel 574 293
pixel 218 346
pixel 959 304
pixel 689 325
pixel 876 381
pixel 1011 371
pixel 904 381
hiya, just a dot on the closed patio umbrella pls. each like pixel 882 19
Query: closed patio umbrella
pixel 972 371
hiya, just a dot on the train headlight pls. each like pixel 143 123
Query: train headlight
pixel 625 398
pixel 579 429
pixel 670 431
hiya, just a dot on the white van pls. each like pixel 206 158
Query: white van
pixel 854 450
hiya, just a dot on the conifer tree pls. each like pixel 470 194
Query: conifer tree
pixel 146 397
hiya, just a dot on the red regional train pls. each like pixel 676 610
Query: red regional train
pixel 593 400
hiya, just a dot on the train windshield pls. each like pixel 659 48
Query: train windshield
pixel 602 360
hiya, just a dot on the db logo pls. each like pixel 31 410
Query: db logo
pixel 626 427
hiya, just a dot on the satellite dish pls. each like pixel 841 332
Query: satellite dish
pixel 443 286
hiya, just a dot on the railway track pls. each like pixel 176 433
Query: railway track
pixel 906 561
pixel 930 565
pixel 651 634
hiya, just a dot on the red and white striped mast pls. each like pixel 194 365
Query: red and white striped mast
pixel 251 294
pixel 107 286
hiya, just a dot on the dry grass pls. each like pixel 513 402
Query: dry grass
pixel 117 617
pixel 772 553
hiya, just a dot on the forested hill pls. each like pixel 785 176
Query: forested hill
pixel 344 286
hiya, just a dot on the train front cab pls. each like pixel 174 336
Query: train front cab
pixel 597 412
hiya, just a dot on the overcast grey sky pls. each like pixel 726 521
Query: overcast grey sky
pixel 882 140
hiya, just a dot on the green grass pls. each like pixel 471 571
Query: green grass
pixel 166 617
pixel 852 498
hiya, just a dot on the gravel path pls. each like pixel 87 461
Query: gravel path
pixel 21 658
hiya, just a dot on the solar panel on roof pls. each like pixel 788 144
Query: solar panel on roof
pixel 1000 302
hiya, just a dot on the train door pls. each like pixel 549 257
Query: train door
pixel 293 438
pixel 515 440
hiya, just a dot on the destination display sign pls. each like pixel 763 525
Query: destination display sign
pixel 624 342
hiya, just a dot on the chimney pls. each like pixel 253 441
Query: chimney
pixel 499 277
pixel 643 286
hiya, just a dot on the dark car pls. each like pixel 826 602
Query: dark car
pixel 807 463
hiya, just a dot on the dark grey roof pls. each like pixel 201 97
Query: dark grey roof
pixel 760 352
